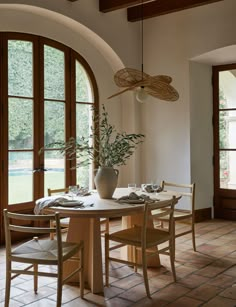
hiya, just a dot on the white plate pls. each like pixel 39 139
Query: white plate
pixel 70 203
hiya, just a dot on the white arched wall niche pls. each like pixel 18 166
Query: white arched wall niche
pixel 100 56
pixel 201 112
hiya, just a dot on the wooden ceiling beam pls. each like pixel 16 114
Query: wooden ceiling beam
pixel 162 7
pixel 112 5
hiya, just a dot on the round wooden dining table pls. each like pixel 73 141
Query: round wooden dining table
pixel 85 225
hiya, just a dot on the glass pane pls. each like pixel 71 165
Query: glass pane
pixel 54 124
pixel 227 93
pixel 55 174
pixel 227 129
pixel 84 176
pixel 20 121
pixel 228 170
pixel 84 120
pixel 54 73
pixel 20 177
pixel 20 68
pixel 83 87
pixel 84 115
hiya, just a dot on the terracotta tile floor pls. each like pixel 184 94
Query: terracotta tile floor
pixel 204 278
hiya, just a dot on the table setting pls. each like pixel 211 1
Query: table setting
pixel 72 199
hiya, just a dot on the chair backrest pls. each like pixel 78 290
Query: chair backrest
pixel 57 191
pixel 187 191
pixel 14 222
pixel 151 211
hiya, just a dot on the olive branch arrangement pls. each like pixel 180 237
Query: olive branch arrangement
pixel 105 146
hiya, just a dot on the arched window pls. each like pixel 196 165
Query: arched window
pixel 47 93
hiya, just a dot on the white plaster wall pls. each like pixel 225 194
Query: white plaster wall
pixel 179 144
pixel 201 131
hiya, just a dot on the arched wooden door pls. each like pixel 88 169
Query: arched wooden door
pixel 47 93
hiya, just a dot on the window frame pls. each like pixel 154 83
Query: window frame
pixel 71 56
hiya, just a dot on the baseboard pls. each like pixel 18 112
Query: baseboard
pixel 202 215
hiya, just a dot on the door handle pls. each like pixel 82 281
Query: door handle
pixel 39 169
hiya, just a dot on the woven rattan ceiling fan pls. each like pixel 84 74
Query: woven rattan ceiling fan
pixel 144 84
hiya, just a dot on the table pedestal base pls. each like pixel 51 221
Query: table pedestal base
pixel 88 230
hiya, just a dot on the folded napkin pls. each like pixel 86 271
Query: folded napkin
pixel 149 189
pixel 134 197
pixel 47 202
pixel 83 192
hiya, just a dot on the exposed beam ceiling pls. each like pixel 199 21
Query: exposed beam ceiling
pixel 150 8
pixel 162 7
pixel 112 5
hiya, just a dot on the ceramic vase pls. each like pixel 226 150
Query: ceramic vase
pixel 106 181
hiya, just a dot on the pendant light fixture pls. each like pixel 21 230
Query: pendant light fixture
pixel 141 94
pixel 144 84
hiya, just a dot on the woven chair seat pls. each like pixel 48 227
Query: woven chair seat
pixel 133 236
pixel 177 214
pixel 64 222
pixel 43 251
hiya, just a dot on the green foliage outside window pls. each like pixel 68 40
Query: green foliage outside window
pixel 223 136
pixel 20 110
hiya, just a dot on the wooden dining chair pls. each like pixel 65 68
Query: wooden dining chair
pixel 40 251
pixel 187 192
pixel 104 222
pixel 64 221
pixel 144 238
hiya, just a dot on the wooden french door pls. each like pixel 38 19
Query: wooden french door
pixel 46 95
pixel 224 118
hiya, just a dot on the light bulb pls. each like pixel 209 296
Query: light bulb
pixel 141 94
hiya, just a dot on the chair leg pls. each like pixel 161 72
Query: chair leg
pixel 35 278
pixel 172 259
pixel 107 225
pixel 193 237
pixel 106 260
pixel 59 285
pixel 174 240
pixel 135 259
pixel 145 276
pixel 52 233
pixel 8 283
pixel 81 274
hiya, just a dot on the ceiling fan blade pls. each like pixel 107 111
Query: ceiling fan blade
pixel 142 83
pixel 121 92
pixel 163 91
pixel 129 76
pixel 163 78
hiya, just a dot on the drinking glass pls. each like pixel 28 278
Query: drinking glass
pixel 143 187
pixel 155 187
pixel 132 187
pixel 73 189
